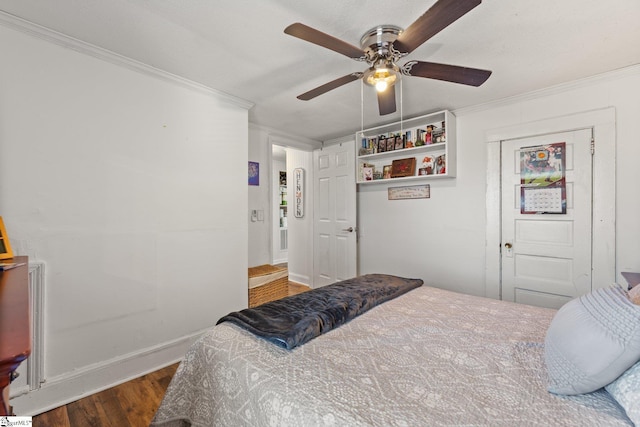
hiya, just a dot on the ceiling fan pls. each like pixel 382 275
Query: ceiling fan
pixel 383 46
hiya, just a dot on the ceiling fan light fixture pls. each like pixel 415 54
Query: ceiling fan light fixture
pixel 381 77
pixel 381 86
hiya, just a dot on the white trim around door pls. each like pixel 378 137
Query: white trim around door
pixel 603 123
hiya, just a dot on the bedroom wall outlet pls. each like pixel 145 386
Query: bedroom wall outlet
pixel 260 215
pixel 254 215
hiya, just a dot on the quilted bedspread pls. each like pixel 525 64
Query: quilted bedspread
pixel 427 358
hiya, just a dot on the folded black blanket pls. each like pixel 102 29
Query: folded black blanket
pixel 294 320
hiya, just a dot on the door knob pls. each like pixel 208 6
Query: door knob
pixel 350 229
pixel 508 245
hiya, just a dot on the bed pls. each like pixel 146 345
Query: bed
pixel 426 357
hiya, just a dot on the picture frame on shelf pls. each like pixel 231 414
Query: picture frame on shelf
pixel 428 164
pixel 386 172
pixel 391 143
pixel 403 167
pixel 441 164
pixel 438 136
pixel 399 143
pixel 367 173
pixel 5 246
pixel 382 145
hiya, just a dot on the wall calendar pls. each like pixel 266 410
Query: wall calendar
pixel 542 179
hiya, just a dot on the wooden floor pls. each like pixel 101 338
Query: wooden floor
pixel 297 288
pixel 133 403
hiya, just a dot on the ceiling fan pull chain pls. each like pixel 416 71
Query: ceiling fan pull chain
pixel 401 115
pixel 362 107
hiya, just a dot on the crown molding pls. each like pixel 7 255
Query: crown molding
pixel 285 139
pixel 553 90
pixel 68 42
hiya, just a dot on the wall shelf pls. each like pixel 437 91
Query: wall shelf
pixel 436 131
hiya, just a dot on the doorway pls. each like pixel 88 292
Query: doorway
pixel 279 204
pixel 602 242
pixel 293 232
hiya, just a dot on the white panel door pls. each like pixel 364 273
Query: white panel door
pixel 335 214
pixel 546 258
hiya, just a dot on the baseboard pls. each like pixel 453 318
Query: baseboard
pixel 299 278
pixel 71 386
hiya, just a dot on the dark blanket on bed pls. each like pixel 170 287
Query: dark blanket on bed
pixel 294 320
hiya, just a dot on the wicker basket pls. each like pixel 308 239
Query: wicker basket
pixel 267 283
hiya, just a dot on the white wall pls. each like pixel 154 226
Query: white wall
pixel 442 239
pixel 260 231
pixel 300 229
pixel 128 186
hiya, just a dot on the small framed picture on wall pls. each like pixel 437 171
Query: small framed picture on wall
pixel 254 173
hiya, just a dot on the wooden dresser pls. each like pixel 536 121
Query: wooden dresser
pixel 15 330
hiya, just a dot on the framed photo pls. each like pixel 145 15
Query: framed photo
pixel 5 246
pixel 367 173
pixel 403 167
pixel 382 145
pixel 254 173
pixel 441 164
pixel 391 142
pixel 399 144
pixel 386 172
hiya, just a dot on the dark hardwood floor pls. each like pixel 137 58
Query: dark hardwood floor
pixel 133 403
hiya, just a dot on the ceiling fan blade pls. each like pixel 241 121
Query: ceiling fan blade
pixel 314 36
pixel 434 20
pixel 387 101
pixel 329 86
pixel 449 73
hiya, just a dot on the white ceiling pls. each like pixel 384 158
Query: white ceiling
pixel 239 47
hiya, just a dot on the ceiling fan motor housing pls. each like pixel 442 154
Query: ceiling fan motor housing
pixel 378 43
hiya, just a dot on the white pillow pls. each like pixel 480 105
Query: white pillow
pixel 626 391
pixel 591 341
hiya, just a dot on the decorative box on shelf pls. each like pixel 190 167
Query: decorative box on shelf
pixel 415 149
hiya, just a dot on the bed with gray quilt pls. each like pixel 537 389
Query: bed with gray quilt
pixel 423 357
